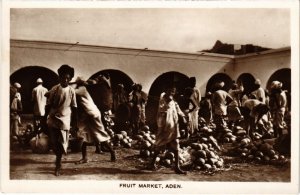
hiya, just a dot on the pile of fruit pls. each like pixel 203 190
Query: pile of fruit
pixel 122 139
pixel 259 151
pixel 205 154
pixel 145 140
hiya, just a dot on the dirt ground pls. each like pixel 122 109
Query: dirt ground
pixel 24 165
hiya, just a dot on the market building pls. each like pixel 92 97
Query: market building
pixel 154 69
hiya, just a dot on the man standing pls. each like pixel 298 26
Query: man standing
pixel 15 109
pixel 259 92
pixel 278 105
pixel 39 99
pixel 220 101
pixel 196 98
pixel 61 105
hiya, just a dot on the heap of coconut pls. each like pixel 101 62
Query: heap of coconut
pixel 145 140
pixel 258 151
pixel 122 139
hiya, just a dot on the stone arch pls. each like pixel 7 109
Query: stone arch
pixel 247 80
pixel 27 77
pixel 219 77
pixel 116 77
pixel 179 80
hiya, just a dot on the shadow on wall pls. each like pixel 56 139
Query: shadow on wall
pixel 247 80
pixel 177 79
pixel 27 77
pixel 116 77
pixel 219 77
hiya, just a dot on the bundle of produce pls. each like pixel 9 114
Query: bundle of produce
pixel 122 139
pixel 109 123
pixel 110 132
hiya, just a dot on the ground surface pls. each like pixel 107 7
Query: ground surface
pixel 24 165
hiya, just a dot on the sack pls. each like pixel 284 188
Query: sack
pixel 40 144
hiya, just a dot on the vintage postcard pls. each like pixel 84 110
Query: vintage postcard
pixel 147 97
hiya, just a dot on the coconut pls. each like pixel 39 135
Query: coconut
pixel 145 128
pixel 219 164
pixel 250 157
pixel 265 147
pixel 128 145
pixel 146 144
pixel 201 153
pixel 147 153
pixel 203 139
pixel 200 161
pixel 207 166
pixel 238 128
pixel 212 161
pixel 119 137
pixel 157 159
pixel 124 133
pixel 281 157
pixel 204 146
pixel 211 154
pixel 170 155
pixel 275 157
pixel 167 162
pixel 229 134
pixel 271 153
pixel 241 132
pixel 152 136
pixel 124 141
pixel 226 140
pixel 194 145
pixel 266 158
pixel 245 150
pixel 233 139
pixel 257 158
pixel 142 133
pixel 199 146
pixel 139 137
pixel 243 154
pixel 198 168
pixel 259 154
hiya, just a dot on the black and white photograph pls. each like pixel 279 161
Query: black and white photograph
pixel 118 97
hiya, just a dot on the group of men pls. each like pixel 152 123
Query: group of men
pixel 57 110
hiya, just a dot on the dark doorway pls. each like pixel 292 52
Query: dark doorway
pixel 284 76
pixel 27 77
pixel 247 80
pixel 116 77
pixel 179 80
pixel 219 77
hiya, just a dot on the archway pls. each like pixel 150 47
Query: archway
pixel 27 77
pixel 116 77
pixel 179 80
pixel 284 76
pixel 219 77
pixel 247 80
